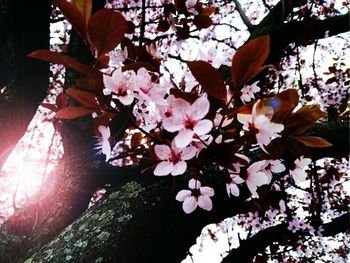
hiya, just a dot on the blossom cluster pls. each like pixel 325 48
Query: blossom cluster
pixel 191 130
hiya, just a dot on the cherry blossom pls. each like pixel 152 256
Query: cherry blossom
pixel 221 121
pixel 231 184
pixel 119 84
pixel 273 166
pixel 173 159
pixel 254 176
pixel 298 170
pixel 191 4
pixel 117 57
pixel 241 161
pixel 260 125
pixel 188 120
pixel 103 146
pixel 197 196
pixel 146 90
pixel 247 92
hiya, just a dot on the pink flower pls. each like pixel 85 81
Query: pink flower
pixel 191 4
pixel 173 159
pixel 260 126
pixel 146 90
pixel 247 92
pixel 197 196
pixel 103 144
pixel 273 166
pixel 240 161
pixel 254 176
pixel 188 120
pixel 298 172
pixel 231 184
pixel 119 84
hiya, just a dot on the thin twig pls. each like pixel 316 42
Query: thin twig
pixel 242 14
pixel 143 22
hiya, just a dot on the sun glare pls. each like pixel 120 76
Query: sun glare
pixel 30 162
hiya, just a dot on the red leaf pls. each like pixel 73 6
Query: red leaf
pixel 248 61
pixel 85 8
pixel 208 11
pixel 73 15
pixel 91 83
pixel 208 78
pixel 84 98
pixel 313 141
pixel 282 104
pixel 61 101
pixel 304 119
pixel 163 26
pixel 73 112
pixel 59 58
pixel 106 29
pixel 202 21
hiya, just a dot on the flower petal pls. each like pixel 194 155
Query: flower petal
pixel 199 108
pixel 194 184
pixel 182 195
pixel 162 151
pixel 203 127
pixel 189 205
pixel 183 138
pixel 208 191
pixel 234 189
pixel 179 168
pixel 205 202
pixel 105 131
pixel 188 153
pixel 163 168
pixel 243 118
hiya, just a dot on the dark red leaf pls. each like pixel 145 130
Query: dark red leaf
pixel 73 15
pixel 202 21
pixel 248 61
pixel 163 26
pixel 84 98
pixel 313 141
pixel 106 29
pixel 304 119
pixel 208 78
pixel 73 112
pixel 85 8
pixel 59 58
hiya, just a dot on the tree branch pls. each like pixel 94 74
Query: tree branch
pixel 257 243
pixel 243 16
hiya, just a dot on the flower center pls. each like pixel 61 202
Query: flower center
pixel 122 90
pixel 175 157
pixel 189 123
pixel 268 167
pixel 145 89
pixel 196 192
pixel 252 128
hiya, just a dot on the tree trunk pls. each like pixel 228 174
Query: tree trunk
pixel 24 28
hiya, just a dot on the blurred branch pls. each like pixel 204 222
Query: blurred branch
pixel 257 243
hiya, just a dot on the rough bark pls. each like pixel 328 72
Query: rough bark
pixel 140 221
